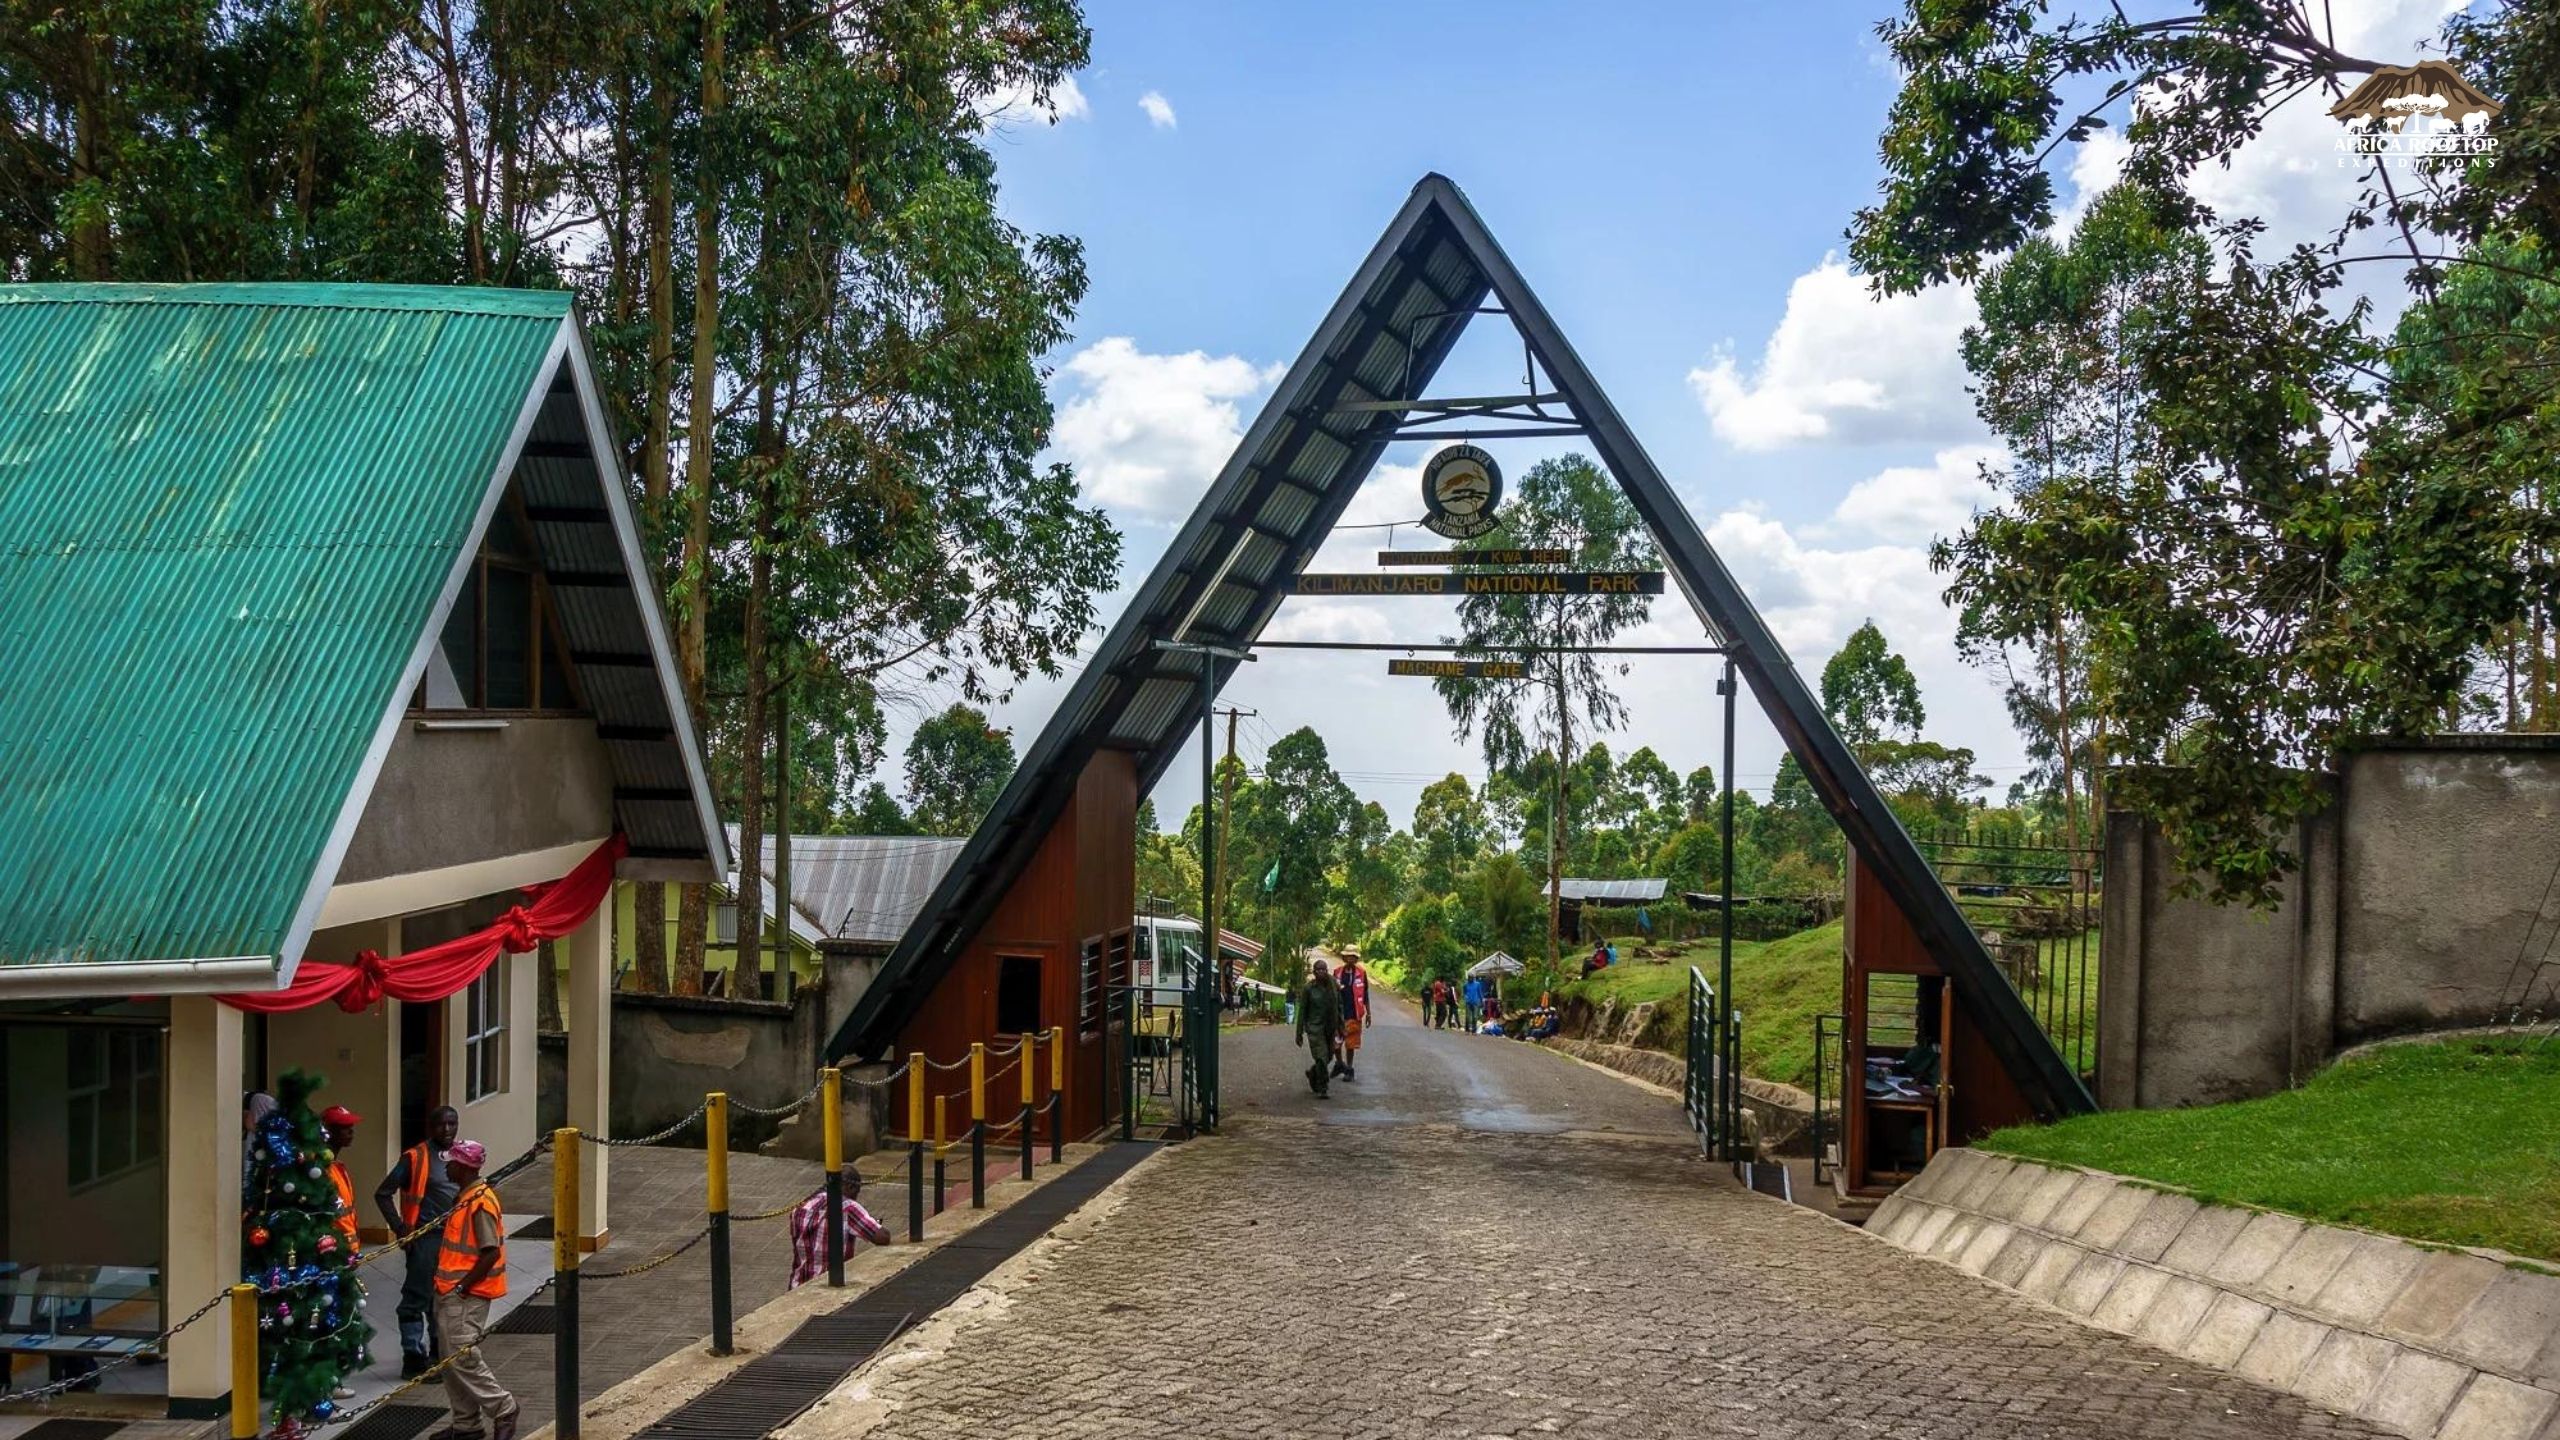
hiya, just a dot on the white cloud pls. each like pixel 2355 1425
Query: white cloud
pixel 1847 367
pixel 1018 103
pixel 1812 595
pixel 1147 433
pixel 1920 502
pixel 1159 109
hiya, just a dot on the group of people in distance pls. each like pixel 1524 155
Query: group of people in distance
pixel 1333 1008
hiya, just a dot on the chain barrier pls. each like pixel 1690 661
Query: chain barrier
pixel 743 1108
pixel 646 1266
pixel 669 1133
pixel 158 1344
pixel 433 1372
pixel 939 1068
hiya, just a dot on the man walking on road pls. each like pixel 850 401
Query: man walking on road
pixel 418 1192
pixel 1319 1025
pixel 471 1271
pixel 1354 981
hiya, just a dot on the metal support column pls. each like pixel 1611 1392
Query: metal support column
pixel 1728 1061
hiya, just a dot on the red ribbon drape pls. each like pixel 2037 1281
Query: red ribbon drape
pixel 551 911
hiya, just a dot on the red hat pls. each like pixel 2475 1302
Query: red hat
pixel 340 1115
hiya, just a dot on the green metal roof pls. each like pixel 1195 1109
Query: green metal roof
pixel 228 514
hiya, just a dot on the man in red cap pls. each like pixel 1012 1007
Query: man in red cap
pixel 339 1124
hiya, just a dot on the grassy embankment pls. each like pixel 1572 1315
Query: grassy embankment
pixel 1781 985
pixel 2455 1142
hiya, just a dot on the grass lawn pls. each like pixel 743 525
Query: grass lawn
pixel 2456 1142
pixel 1779 985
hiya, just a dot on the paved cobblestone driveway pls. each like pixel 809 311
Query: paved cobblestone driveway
pixel 1343 1276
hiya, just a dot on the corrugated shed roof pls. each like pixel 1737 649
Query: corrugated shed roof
pixel 1612 891
pixel 228 517
pixel 863 887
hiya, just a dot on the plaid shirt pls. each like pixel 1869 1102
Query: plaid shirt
pixel 809 1235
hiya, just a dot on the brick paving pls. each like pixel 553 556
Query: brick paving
pixel 1362 1274
pixel 627 1325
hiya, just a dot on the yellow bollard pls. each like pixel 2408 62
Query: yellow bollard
pixel 716 1178
pixel 938 1102
pixel 564 1200
pixel 564 1285
pixel 978 1125
pixel 715 1126
pixel 915 1098
pixel 831 1111
pixel 1030 1063
pixel 831 1114
pixel 244 1362
pixel 1057 1058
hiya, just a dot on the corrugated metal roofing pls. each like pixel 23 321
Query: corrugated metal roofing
pixel 1611 891
pixel 228 517
pixel 862 887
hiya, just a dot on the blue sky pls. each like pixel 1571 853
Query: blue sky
pixel 1673 180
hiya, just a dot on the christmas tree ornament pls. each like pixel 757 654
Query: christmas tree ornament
pixel 258 1238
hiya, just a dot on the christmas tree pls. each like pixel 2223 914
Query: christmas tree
pixel 311 1328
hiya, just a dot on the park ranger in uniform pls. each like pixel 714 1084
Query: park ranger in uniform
pixel 1319 1024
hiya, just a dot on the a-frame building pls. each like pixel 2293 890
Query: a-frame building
pixel 1052 865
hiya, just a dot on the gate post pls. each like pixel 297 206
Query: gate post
pixel 1129 1063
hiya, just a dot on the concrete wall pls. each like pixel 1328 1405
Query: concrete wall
pixel 452 797
pixel 2445 855
pixel 670 1050
pixel 2417 886
pixel 2428 1341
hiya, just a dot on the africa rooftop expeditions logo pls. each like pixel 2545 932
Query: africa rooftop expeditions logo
pixel 2412 111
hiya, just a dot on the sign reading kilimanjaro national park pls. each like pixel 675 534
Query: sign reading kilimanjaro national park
pixel 1461 486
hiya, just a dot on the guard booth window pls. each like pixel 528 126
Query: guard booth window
pixel 1017 994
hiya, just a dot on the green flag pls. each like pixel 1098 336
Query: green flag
pixel 1271 881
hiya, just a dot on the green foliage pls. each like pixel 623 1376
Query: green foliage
pixel 957 764
pixel 2450 1142
pixel 1450 829
pixel 312 1332
pixel 2243 529
pixel 876 813
pixel 1290 830
pixel 1869 692
pixel 1168 865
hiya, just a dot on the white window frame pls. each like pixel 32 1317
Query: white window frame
pixel 484 1034
pixel 122 1056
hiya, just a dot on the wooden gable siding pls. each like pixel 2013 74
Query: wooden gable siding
pixel 1081 881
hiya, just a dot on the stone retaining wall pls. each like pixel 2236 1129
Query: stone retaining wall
pixel 2432 1342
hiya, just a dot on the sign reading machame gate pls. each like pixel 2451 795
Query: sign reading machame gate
pixel 1551 582
pixel 1461 669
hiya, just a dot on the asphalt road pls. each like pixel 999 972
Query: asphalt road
pixel 1411 1074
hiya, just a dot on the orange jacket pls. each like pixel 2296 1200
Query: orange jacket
pixel 459 1252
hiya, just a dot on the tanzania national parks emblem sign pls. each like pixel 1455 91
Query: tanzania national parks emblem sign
pixel 1460 488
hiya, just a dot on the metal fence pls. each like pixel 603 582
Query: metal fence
pixel 1711 1090
pixel 2035 902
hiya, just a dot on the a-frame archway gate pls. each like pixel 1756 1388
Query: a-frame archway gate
pixel 1348 396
